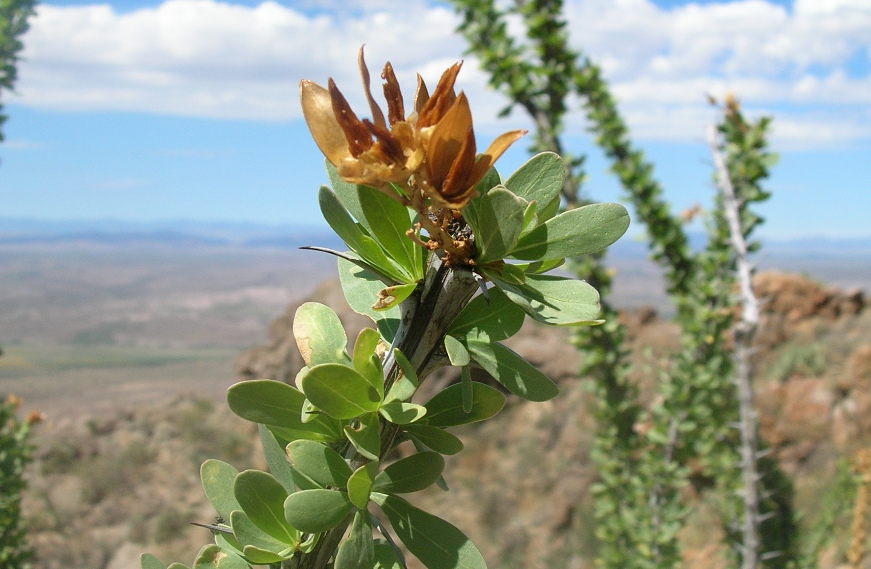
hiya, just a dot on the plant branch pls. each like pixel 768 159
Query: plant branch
pixel 426 316
pixel 744 332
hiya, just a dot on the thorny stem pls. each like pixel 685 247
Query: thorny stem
pixel 426 316
pixel 745 330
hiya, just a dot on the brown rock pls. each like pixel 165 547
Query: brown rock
pixel 859 367
pixel 788 301
pixel 795 416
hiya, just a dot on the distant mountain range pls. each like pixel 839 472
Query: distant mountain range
pixel 177 233
pixel 186 234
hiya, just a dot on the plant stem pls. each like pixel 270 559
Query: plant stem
pixel 745 330
pixel 426 316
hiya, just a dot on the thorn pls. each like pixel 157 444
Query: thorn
pixel 770 555
pixel 213 528
pixel 482 285
pixel 763 453
pixel 765 516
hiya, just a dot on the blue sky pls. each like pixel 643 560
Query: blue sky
pixel 187 109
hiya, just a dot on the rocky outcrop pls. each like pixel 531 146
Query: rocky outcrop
pixel 791 303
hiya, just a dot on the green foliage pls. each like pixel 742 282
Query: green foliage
pixel 13 24
pixel 638 508
pixel 432 540
pixel 15 453
pixel 574 233
pixel 327 440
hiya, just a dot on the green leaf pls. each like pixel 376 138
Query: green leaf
pixel 347 194
pixel 261 497
pixel 358 549
pixel 218 479
pixel 388 220
pixel 340 391
pixel 361 289
pixel 360 484
pixel 316 511
pixel 404 387
pixel 457 353
pixel 435 542
pixel 319 335
pixel 503 273
pixel 364 435
pixel 496 320
pixel 400 413
pixel 468 389
pixel 557 301
pixel 538 267
pixel 497 224
pixel 266 548
pixel 576 232
pixel 410 474
pixel 508 368
pixel 530 218
pixel 445 409
pixel 148 561
pixel 177 565
pixel 359 242
pixel 319 463
pixel 214 556
pixel 276 459
pixel 490 180
pixel 435 438
pixel 229 541
pixel 513 274
pixel 540 180
pixel 385 557
pixel 393 296
pixel 260 556
pixel 275 403
pixel 366 362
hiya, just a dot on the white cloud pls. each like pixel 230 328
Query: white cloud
pixel 21 144
pixel 206 58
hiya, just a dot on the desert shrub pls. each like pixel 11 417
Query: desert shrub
pixel 170 523
pixel 59 457
pixel 805 360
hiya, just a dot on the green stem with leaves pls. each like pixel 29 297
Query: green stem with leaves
pixel 640 475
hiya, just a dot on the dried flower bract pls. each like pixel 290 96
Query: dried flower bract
pixel 429 153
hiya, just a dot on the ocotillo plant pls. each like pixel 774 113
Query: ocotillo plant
pixel 642 455
pixel 16 452
pixel 13 24
pixel 447 257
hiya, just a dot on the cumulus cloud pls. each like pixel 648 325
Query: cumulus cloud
pixel 206 58
pixel 213 59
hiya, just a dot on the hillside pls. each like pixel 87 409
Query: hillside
pixel 106 487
